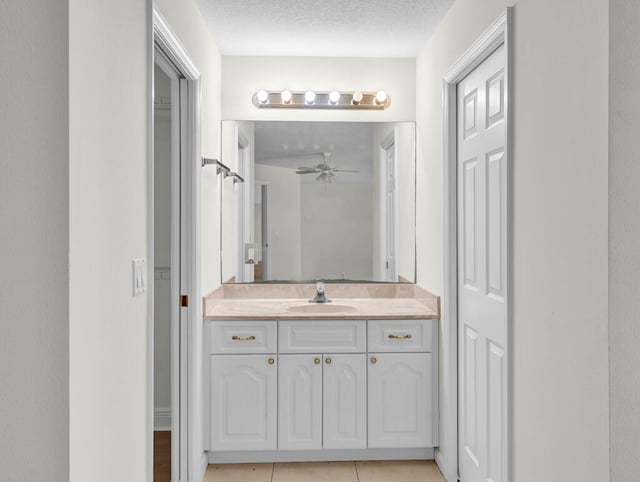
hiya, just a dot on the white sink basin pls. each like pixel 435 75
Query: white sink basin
pixel 321 308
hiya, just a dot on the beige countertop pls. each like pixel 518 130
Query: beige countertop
pixel 290 301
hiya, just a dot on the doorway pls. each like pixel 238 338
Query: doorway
pixel 174 204
pixel 164 114
pixel 477 297
pixel 261 230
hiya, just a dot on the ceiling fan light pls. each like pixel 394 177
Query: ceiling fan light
pixel 334 97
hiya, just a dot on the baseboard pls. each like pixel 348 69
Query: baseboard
pixel 162 419
pixel 442 465
pixel 204 463
pixel 319 455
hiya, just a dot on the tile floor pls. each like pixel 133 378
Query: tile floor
pixel 378 471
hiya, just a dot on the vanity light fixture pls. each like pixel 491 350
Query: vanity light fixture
pixel 381 97
pixel 262 96
pixel 286 96
pixel 309 96
pixel 310 99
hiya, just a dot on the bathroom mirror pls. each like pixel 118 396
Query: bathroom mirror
pixel 332 201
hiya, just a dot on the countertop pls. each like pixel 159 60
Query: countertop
pixel 290 301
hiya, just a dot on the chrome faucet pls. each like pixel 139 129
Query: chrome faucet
pixel 320 297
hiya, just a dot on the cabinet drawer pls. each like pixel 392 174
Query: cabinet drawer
pixel 322 336
pixel 401 335
pixel 243 337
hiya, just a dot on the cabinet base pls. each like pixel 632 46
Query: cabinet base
pixel 319 455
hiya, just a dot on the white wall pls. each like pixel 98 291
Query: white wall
pixel 283 214
pixel 229 204
pixel 336 225
pixel 109 103
pixel 232 252
pixel 34 241
pixel 244 76
pixel 560 108
pixel 624 232
pixel 162 245
pixel 405 200
pixel 405 144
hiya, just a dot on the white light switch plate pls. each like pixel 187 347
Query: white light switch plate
pixel 139 267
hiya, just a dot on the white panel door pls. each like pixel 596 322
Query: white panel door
pixel 243 402
pixel 482 241
pixel 345 401
pixel 400 400
pixel 299 402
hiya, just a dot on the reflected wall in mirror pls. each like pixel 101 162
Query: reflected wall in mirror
pixel 331 201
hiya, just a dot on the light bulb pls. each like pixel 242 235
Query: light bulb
pixel 357 98
pixel 286 96
pixel 309 96
pixel 334 97
pixel 262 96
pixel 381 97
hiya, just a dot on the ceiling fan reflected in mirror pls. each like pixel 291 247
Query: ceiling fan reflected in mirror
pixel 325 171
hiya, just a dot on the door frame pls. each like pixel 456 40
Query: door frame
pixel 388 141
pixel 185 206
pixel 243 204
pixel 499 33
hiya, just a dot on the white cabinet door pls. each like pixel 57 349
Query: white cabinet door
pixel 243 402
pixel 400 400
pixel 299 402
pixel 345 402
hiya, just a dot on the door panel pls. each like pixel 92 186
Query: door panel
pixel 400 402
pixel 482 188
pixel 344 401
pixel 243 402
pixel 299 402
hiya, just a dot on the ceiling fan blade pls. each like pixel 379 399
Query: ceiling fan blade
pixel 308 171
pixel 344 170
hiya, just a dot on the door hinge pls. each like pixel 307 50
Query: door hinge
pixel 184 300
pixel 387 264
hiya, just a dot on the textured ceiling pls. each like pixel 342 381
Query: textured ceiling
pixel 329 28
pixel 288 144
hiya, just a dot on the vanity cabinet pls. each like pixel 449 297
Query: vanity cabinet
pixel 400 388
pixel 243 415
pixel 324 386
pixel 300 402
pixel 323 406
pixel 344 401
pixel 322 401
